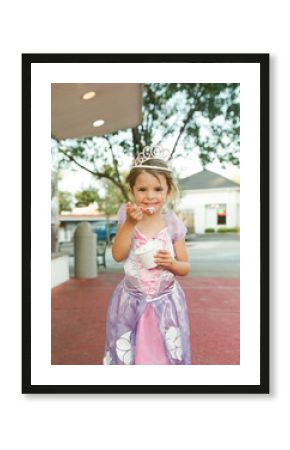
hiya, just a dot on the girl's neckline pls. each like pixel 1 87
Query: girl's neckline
pixel 151 237
pixel 157 234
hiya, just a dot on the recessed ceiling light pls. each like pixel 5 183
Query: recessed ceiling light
pixel 89 95
pixel 98 123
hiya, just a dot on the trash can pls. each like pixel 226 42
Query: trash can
pixel 85 243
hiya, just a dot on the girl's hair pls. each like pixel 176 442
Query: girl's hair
pixel 133 174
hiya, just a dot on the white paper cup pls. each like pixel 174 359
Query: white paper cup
pixel 147 252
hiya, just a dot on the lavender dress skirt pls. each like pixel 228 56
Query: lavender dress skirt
pixel 147 332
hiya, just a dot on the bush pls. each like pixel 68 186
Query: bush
pixel 223 230
pixel 229 230
pixel 209 230
pixel 234 230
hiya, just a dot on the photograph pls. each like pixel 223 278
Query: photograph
pixel 149 168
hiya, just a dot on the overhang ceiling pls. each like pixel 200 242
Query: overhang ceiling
pixel 118 104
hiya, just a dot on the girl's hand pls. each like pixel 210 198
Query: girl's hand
pixel 164 259
pixel 134 213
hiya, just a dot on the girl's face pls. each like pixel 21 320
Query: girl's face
pixel 149 191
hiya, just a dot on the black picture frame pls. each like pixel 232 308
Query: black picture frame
pixel 262 60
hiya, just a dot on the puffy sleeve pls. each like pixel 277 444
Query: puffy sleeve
pixel 176 227
pixel 121 216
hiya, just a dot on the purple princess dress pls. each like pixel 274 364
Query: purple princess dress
pixel 147 319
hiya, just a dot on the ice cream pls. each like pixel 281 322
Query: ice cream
pixel 151 209
pixel 146 253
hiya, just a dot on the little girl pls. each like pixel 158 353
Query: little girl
pixel 147 317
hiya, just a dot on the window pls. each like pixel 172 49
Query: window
pixel 221 215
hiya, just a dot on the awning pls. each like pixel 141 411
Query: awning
pixel 119 105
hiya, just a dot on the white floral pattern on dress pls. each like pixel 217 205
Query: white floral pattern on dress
pixel 173 342
pixel 107 359
pixel 124 348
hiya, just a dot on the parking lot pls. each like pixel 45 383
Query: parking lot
pixel 214 258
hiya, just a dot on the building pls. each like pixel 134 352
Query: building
pixel 209 201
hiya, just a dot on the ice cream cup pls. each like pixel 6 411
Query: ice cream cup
pixel 147 252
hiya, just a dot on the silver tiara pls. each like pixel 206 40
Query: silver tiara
pixel 152 153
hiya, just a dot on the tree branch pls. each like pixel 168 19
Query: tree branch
pixel 96 174
pixel 167 132
pixel 136 141
pixel 115 162
pixel 185 123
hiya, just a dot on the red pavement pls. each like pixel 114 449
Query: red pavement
pixel 79 310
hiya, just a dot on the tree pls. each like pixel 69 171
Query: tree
pixel 109 203
pixel 65 201
pixel 85 197
pixel 197 116
pixel 202 116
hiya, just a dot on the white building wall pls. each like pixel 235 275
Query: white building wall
pixel 198 199
pixel 59 270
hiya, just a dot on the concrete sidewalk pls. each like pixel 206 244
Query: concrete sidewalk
pixel 79 310
pixel 213 237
